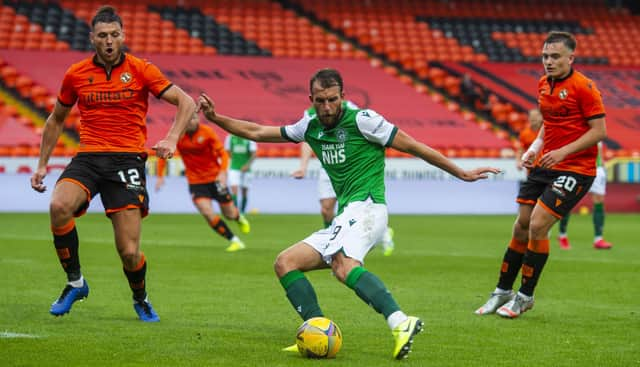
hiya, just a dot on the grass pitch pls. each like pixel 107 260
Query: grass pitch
pixel 220 309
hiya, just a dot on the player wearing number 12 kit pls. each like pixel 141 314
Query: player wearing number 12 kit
pixel 111 90
pixel 573 123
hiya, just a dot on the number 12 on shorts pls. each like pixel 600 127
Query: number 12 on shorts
pixel 132 174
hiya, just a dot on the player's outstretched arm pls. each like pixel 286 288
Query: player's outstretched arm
pixel 405 143
pixel 246 129
pixel 186 108
pixel 50 134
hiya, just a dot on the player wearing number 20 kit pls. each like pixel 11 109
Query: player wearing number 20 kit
pixel 573 123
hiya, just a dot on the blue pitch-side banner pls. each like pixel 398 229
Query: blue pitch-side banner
pixel 413 187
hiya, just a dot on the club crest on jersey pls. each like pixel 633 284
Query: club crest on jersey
pixel 563 94
pixel 125 77
pixel 200 139
pixel 341 135
pixel 320 134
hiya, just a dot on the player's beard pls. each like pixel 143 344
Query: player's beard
pixel 330 121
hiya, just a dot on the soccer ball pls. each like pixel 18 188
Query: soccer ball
pixel 319 337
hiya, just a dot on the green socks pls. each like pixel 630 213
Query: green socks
pixel 372 291
pixel 564 222
pixel 598 219
pixel 301 294
pixel 366 285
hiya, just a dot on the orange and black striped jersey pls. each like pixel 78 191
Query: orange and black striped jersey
pixel 567 105
pixel 203 155
pixel 113 105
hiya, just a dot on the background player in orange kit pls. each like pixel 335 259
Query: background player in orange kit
pixel 528 135
pixel 111 89
pixel 573 114
pixel 206 162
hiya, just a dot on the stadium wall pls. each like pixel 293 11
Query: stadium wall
pixel 287 195
pixel 413 187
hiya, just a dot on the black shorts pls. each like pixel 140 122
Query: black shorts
pixel 557 191
pixel 211 190
pixel 119 178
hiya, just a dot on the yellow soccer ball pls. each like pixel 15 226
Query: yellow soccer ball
pixel 319 337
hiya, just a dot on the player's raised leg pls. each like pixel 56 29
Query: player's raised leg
pixel 373 292
pixel 204 206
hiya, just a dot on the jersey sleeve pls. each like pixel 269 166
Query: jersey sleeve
pixel 295 132
pixel 375 128
pixel 156 81
pixel 67 96
pixel 591 101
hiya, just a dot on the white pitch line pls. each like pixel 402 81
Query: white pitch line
pixel 10 335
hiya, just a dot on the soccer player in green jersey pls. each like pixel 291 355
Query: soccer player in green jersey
pixel 326 195
pixel 350 144
pixel 242 153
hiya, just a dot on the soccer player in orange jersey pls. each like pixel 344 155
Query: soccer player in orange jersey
pixel 111 89
pixel 528 135
pixel 206 162
pixel 573 115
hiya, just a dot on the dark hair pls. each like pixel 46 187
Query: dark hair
pixel 327 78
pixel 106 14
pixel 565 37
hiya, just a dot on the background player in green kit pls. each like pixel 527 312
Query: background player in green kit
pixel 350 144
pixel 242 153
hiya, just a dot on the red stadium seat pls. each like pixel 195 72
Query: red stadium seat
pixel 9 75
